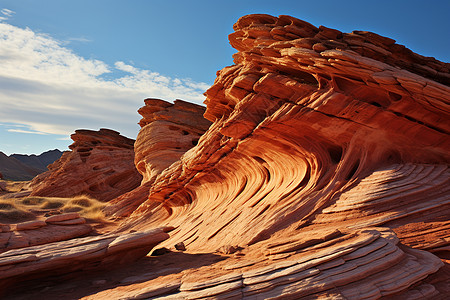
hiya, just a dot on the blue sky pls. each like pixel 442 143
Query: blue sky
pixel 66 65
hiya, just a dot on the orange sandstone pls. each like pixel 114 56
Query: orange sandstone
pixel 100 165
pixel 324 172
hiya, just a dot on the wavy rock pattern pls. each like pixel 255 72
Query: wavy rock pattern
pixel 76 254
pixel 100 164
pixel 167 132
pixel 381 197
pixel 317 136
pixel 313 127
pixel 303 115
pixel 350 266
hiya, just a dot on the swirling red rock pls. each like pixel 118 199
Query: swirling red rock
pixel 324 173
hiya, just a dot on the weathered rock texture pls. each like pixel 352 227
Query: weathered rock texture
pixel 324 173
pixel 167 132
pixel 314 129
pixel 302 117
pixel 37 232
pixel 100 165
pixel 327 265
pixel 76 254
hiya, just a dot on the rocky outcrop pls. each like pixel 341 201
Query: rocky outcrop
pixel 303 116
pixel 324 173
pixel 312 127
pixel 167 132
pixel 100 165
pixel 37 232
pixel 107 251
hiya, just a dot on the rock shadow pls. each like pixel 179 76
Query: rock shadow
pixel 76 285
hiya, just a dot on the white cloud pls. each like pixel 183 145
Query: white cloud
pixel 6 14
pixel 50 89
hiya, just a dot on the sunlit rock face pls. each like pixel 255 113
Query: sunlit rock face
pixel 101 164
pixel 322 173
pixel 301 118
pixel 320 140
pixel 167 132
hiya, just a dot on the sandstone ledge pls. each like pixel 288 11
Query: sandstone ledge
pixel 64 257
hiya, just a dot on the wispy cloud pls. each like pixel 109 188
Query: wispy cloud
pixel 5 14
pixel 50 89
pixel 79 39
pixel 25 131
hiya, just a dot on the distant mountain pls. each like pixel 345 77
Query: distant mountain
pixel 39 162
pixel 25 167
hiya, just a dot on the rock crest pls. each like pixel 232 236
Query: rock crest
pixel 101 164
pixel 324 160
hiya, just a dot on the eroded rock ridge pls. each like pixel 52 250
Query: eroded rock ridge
pixel 101 164
pixel 323 172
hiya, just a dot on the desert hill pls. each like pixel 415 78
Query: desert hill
pixel 319 169
pixel 13 169
pixel 40 161
pixel 25 167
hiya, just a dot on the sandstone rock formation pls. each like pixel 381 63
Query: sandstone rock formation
pixel 100 165
pixel 37 232
pixel 313 128
pixel 324 174
pixel 76 254
pixel 331 265
pixel 167 132
pixel 302 117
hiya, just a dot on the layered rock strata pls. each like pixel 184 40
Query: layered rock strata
pixel 168 130
pixel 101 164
pixel 37 232
pixel 303 115
pixel 110 251
pixel 312 127
pixel 328 265
pixel 325 150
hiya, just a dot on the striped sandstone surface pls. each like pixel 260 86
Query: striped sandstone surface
pixel 320 172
